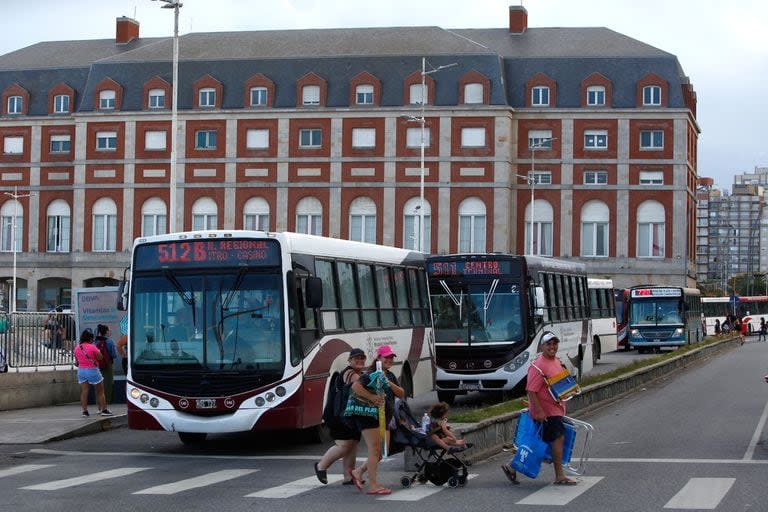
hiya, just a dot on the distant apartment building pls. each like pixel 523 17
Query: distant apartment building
pixel 312 131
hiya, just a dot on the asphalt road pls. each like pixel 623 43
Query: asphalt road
pixel 693 441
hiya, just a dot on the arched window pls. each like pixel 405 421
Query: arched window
pixel 12 233
pixel 650 230
pixel 411 219
pixel 204 214
pixel 543 217
pixel 104 225
pixel 362 220
pixel 153 217
pixel 472 225
pixel 256 214
pixel 594 229
pixel 309 216
pixel 59 226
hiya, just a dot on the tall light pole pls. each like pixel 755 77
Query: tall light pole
pixel 16 196
pixel 423 121
pixel 175 5
pixel 531 178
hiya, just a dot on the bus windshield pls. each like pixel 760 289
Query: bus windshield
pixel 216 321
pixel 477 313
pixel 656 312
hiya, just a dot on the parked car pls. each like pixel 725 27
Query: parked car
pixel 64 308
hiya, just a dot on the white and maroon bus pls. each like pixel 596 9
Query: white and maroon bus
pixel 235 331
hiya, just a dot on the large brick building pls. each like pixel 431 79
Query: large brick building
pixel 308 130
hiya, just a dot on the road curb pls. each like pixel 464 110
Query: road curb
pixel 93 427
pixel 489 436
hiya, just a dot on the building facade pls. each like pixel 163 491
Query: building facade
pixel 582 135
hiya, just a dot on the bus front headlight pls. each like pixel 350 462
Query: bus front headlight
pixel 634 333
pixel 517 362
pixel 679 331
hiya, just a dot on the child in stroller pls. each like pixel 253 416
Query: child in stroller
pixel 436 463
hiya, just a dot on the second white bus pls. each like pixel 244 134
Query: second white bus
pixel 602 305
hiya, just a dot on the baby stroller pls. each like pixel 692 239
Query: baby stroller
pixel 435 464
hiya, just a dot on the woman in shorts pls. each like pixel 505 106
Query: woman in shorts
pixel 88 373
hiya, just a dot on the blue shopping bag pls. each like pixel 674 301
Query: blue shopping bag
pixel 531 448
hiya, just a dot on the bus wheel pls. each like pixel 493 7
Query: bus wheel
pixel 192 437
pixel 446 396
pixel 596 352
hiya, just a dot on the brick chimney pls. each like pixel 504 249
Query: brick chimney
pixel 127 30
pixel 518 19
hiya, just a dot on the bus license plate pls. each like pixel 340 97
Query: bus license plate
pixel 469 386
pixel 205 404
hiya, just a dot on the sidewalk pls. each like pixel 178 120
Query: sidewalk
pixel 45 424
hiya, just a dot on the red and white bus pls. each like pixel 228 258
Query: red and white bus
pixel 234 331
pixel 602 307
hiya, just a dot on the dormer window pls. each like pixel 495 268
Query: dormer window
pixel 107 100
pixel 540 96
pixel 652 95
pixel 596 95
pixel 258 96
pixel 473 94
pixel 156 98
pixel 15 105
pixel 364 94
pixel 416 94
pixel 310 95
pixel 61 103
pixel 207 97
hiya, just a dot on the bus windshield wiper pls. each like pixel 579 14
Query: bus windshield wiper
pixel 188 297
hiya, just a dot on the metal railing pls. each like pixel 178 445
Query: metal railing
pixel 34 340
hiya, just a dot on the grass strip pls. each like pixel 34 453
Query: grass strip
pixel 484 413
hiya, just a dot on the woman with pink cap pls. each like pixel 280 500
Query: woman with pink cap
pixel 363 413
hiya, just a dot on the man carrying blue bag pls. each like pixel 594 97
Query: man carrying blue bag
pixel 545 408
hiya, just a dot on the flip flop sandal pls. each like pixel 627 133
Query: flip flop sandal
pixel 356 481
pixel 351 482
pixel 381 492
pixel 510 474
pixel 565 482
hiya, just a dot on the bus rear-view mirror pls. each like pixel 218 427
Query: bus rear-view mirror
pixel 540 302
pixel 313 292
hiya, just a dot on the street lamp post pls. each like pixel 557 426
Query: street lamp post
pixel 175 5
pixel 16 196
pixel 531 179
pixel 423 121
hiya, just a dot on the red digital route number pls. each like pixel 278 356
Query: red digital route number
pixel 184 252
pixel 208 252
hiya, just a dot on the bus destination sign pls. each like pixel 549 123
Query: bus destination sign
pixel 469 268
pixel 207 253
pixel 656 292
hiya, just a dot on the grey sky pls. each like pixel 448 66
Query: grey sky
pixel 722 46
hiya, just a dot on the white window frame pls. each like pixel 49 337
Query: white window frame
pixel 650 226
pixel 15 104
pixel 154 217
pixel 257 138
pixel 204 214
pixel 411 219
pixel 652 95
pixel 13 145
pixel 9 242
pixel 310 95
pixel 106 141
pixel 312 134
pixel 652 140
pixel 207 97
pixel 309 216
pixel 155 140
pixel 413 137
pixel 540 96
pixel 540 139
pixel 259 96
pixel 59 226
pixel 473 137
pixel 362 220
pixel 58 141
pixel 364 94
pixel 596 139
pixel 61 104
pixel 104 226
pixel 414 94
pixel 156 98
pixel 208 141
pixel 473 93
pixel 543 228
pixel 363 138
pixel 256 214
pixel 595 177
pixel 596 95
pixel 595 218
pixel 472 218
pixel 541 177
pixel 651 177
pixel 107 99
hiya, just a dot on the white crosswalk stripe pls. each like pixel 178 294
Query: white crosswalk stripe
pixel 85 479
pixel 196 482
pixel 560 494
pixel 23 469
pixel 417 492
pixel 701 494
pixel 293 488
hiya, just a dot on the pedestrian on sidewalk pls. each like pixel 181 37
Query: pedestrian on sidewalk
pixel 543 406
pixel 106 346
pixel 763 330
pixel 87 357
